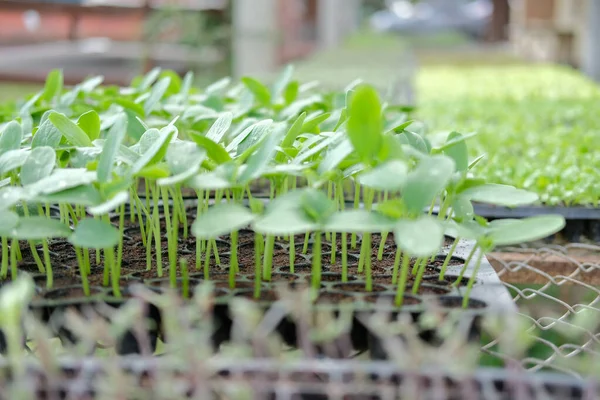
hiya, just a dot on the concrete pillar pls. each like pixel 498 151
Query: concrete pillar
pixel 255 37
pixel 336 19
pixel 591 41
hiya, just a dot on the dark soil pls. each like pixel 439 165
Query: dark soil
pixel 70 293
pixel 456 302
pixel 335 298
pixel 134 267
pixel 265 295
pixel 430 290
pixel 390 299
pixel 357 287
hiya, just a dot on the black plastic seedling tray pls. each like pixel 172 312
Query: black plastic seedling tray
pixel 488 296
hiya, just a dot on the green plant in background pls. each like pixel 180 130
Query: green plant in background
pixel 536 125
pixel 101 157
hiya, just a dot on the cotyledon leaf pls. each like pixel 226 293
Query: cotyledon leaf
pixel 39 164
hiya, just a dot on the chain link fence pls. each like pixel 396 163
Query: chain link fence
pixel 557 291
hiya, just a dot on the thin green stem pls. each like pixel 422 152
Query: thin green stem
pixel 121 232
pixel 472 278
pixel 199 207
pixel 32 248
pixel 109 255
pixel 257 265
pixel 233 263
pixel 83 271
pixel 86 260
pixel 292 252
pixel 467 262
pixel 5 256
pixel 14 244
pixel 171 247
pixel 305 245
pixel 49 275
pixel 403 279
pixel 268 258
pixel 156 229
pixel 207 263
pixel 316 261
pixel 448 258
pixel 420 273
pixel 213 243
pixel 384 236
pixel 344 257
pixel 396 265
pixel 183 266
pixel 356 204
pixel 416 266
pixel 368 272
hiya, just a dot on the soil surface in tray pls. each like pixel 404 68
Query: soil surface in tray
pixel 134 267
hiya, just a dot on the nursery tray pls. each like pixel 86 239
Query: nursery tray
pixel 302 380
pixel 580 221
pixel 488 295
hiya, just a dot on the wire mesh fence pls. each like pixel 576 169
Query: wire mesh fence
pixel 557 291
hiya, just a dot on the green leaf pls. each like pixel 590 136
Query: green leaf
pixel 157 149
pixel 11 137
pixel 335 155
pixel 221 219
pixel 215 151
pixel 421 237
pixel 476 161
pixel 365 126
pixel 8 221
pixel 11 195
pixel 290 93
pixel 390 176
pixel 257 130
pixel 311 124
pixel 118 199
pixel 90 124
pixel 427 181
pixel 500 195
pixel 94 234
pixel 83 195
pixel 39 164
pixel 154 171
pixel 526 230
pixel 54 85
pixel 220 127
pixel 150 78
pixel 316 205
pixel 291 135
pixel 282 82
pixel 357 221
pixel 46 135
pixel 135 129
pixel 258 161
pixel 62 179
pixel 308 152
pixel 156 94
pixel 456 148
pixel 284 221
pixel 261 92
pixel 12 160
pixel 38 228
pixel 415 141
pixel 111 147
pixel 462 208
pixel 73 133
pixel 183 155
